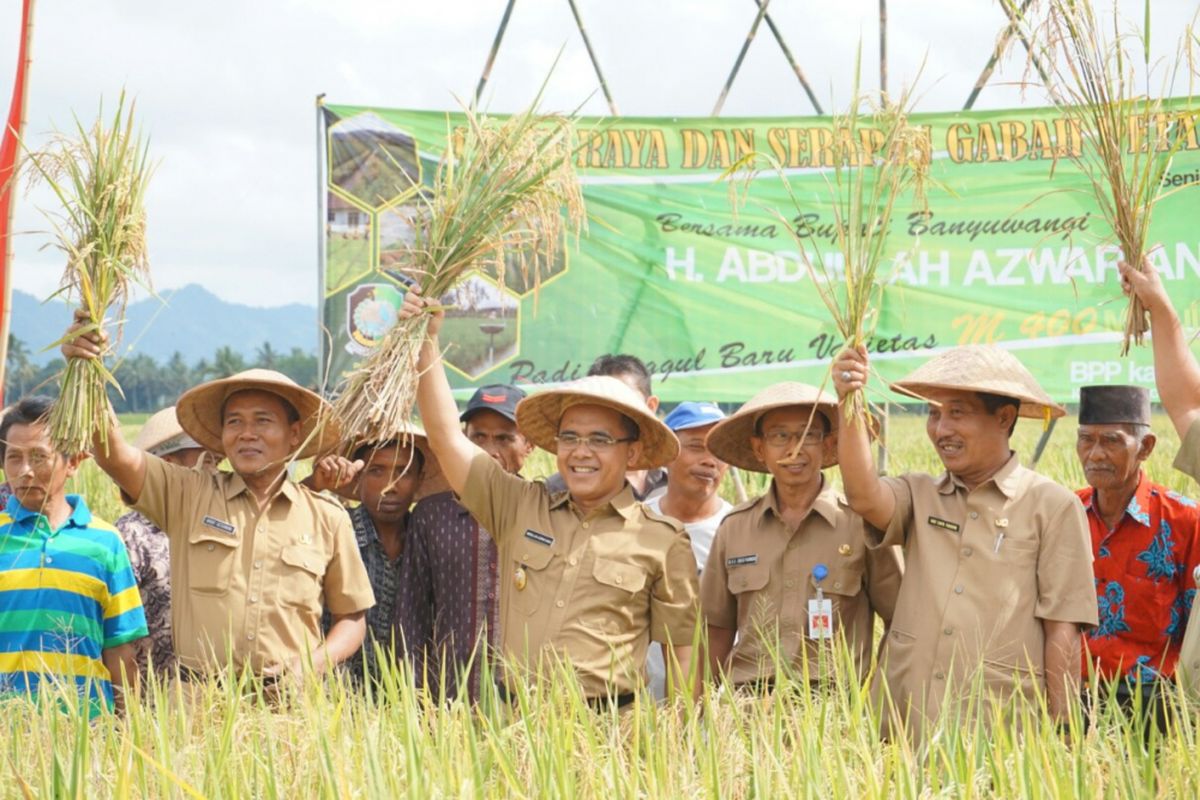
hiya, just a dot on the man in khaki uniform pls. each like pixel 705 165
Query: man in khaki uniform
pixel 771 555
pixel 998 575
pixel 254 557
pixel 588 574
pixel 1177 377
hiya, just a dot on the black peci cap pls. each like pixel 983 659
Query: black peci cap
pixel 1110 405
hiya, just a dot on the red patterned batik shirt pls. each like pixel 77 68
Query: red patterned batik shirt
pixel 1144 583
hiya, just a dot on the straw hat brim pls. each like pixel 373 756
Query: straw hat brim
pixel 162 434
pixel 199 410
pixel 980 368
pixel 433 480
pixel 538 417
pixel 729 440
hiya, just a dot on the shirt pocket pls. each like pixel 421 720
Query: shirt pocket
pixel 619 583
pixel 301 576
pixel 211 557
pixel 843 586
pixel 1148 605
pixel 529 577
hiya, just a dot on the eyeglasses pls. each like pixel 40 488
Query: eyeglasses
pixel 785 438
pixel 596 442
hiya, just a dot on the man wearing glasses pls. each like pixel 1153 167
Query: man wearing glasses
pixel 588 575
pixel 789 573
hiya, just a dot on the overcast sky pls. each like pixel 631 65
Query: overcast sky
pixel 226 89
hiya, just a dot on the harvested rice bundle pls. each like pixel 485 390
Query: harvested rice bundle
pixel 504 195
pixel 99 174
pixel 1128 135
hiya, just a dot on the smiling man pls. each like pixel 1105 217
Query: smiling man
pixel 1146 544
pixel 998 575
pixel 794 551
pixel 589 574
pixel 69 606
pixel 255 557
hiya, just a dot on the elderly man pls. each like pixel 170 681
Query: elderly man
pixel 1177 377
pixel 387 478
pixel 450 577
pixel 690 497
pixel 630 371
pixel 69 608
pixel 588 574
pixel 255 557
pixel 790 571
pixel 998 574
pixel 1146 544
pixel 149 554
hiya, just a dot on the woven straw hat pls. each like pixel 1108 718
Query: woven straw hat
pixel 729 440
pixel 432 479
pixel 162 435
pixel 981 368
pixel 538 416
pixel 199 410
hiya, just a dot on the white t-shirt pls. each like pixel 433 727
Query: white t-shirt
pixel 701 533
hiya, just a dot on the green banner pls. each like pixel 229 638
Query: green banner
pixel 713 294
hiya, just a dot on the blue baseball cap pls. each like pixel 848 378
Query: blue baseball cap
pixel 693 415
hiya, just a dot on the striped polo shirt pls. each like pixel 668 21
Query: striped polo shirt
pixel 65 597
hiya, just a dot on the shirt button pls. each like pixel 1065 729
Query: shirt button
pixel 837 584
pixel 525 556
pixel 261 527
pixel 586 525
pixel 559 603
pixel 939 675
pixel 573 561
pixel 253 598
pixel 949 631
pixel 211 546
pixel 620 579
pixel 966 551
pixel 250 637
pixel 958 589
pixel 258 564
pixel 49 560
pixel 789 584
pixel 974 515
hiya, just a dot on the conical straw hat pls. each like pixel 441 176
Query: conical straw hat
pixel 981 368
pixel 199 410
pixel 538 416
pixel 163 435
pixel 729 440
pixel 432 479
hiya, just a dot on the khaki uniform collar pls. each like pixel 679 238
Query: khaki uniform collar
pixel 624 503
pixel 825 503
pixel 1007 479
pixel 235 485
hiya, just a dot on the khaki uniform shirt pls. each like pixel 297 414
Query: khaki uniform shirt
pixel 758 581
pixel 1188 669
pixel 982 570
pixel 249 587
pixel 593 588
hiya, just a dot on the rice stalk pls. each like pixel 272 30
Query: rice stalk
pixel 504 194
pixel 1122 135
pixel 99 175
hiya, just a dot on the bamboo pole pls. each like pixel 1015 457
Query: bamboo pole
pixel 883 76
pixel 6 313
pixel 787 53
pixel 1043 441
pixel 990 66
pixel 737 65
pixel 491 59
pixel 612 106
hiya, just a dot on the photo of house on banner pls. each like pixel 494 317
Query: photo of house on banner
pixel 396 226
pixel 482 328
pixel 372 161
pixel 347 242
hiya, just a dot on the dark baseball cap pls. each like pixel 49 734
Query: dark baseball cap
pixel 499 397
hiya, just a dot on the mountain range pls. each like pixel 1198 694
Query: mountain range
pixel 190 320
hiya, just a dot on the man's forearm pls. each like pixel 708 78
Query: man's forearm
pixel 345 637
pixel 1176 374
pixel 1062 658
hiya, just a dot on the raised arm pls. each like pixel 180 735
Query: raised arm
pixel 1176 372
pixel 866 494
pixel 123 462
pixel 439 414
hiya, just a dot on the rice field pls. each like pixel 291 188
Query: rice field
pixel 322 739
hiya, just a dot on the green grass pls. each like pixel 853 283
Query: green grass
pixel 346 259
pixel 468 347
pixel 325 741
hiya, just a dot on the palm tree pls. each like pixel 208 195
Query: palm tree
pixel 266 356
pixel 19 372
pixel 226 362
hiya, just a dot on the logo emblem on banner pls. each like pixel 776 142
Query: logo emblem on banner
pixel 371 311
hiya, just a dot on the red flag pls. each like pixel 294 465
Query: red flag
pixel 9 148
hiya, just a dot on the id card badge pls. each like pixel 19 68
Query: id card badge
pixel 820 618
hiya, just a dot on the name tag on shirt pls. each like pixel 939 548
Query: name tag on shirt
pixel 945 524
pixel 540 538
pixel 740 561
pixel 220 525
pixel 820 618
